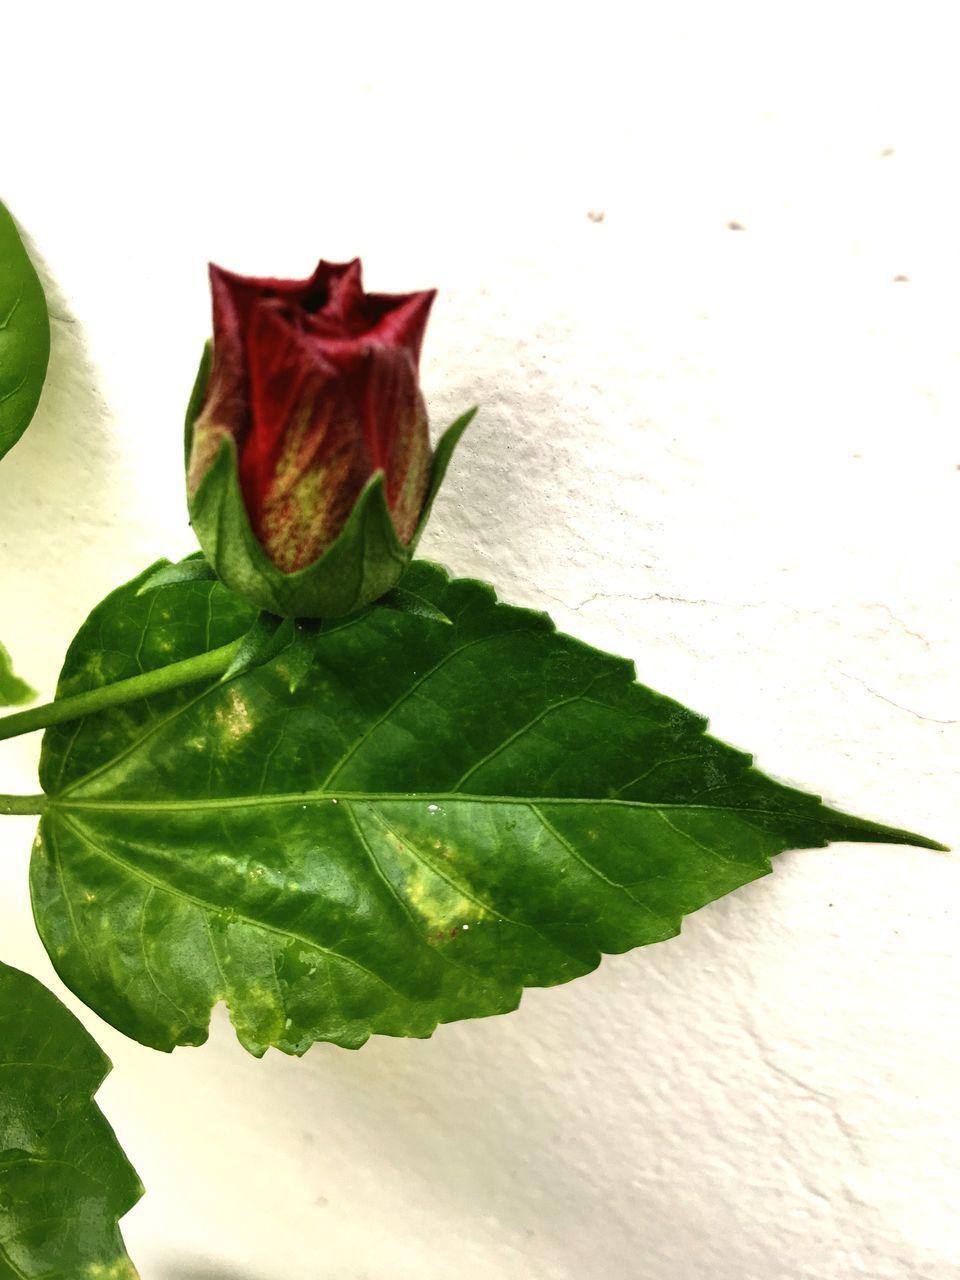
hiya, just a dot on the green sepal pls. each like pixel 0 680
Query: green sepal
pixel 442 456
pixel 300 654
pixel 268 636
pixel 24 335
pixel 195 568
pixel 195 403
pixel 365 561
pixel 297 650
pixel 402 601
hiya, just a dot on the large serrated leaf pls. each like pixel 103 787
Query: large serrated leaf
pixel 429 820
pixel 24 335
pixel 64 1182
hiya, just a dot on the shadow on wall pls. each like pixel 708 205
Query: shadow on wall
pixel 204 1269
pixel 56 506
pixel 70 408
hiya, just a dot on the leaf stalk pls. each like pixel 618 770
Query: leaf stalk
pixel 22 804
pixel 189 671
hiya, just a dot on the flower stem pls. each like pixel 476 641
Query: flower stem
pixel 202 667
pixel 22 804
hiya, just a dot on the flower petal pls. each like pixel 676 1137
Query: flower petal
pixel 305 459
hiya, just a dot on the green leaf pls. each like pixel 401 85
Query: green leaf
pixel 64 1182
pixel 24 335
pixel 434 818
pixel 14 692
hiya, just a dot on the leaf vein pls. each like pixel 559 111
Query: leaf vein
pixel 685 835
pixel 415 923
pixel 575 853
pixel 148 967
pixel 133 746
pixel 8 395
pixel 524 728
pixel 469 893
pixel 166 887
pixel 407 693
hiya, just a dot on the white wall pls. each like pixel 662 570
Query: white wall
pixel 730 454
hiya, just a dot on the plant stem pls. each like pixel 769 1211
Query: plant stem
pixel 202 667
pixel 22 804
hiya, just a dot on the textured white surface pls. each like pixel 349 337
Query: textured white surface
pixel 730 454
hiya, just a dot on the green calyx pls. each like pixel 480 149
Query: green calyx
pixel 365 561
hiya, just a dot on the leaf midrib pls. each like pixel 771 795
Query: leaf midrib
pixel 411 797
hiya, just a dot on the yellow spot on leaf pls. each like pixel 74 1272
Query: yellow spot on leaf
pixel 234 721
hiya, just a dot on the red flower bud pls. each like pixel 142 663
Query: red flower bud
pixel 316 384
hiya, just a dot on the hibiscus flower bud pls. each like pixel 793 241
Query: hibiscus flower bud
pixel 309 470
